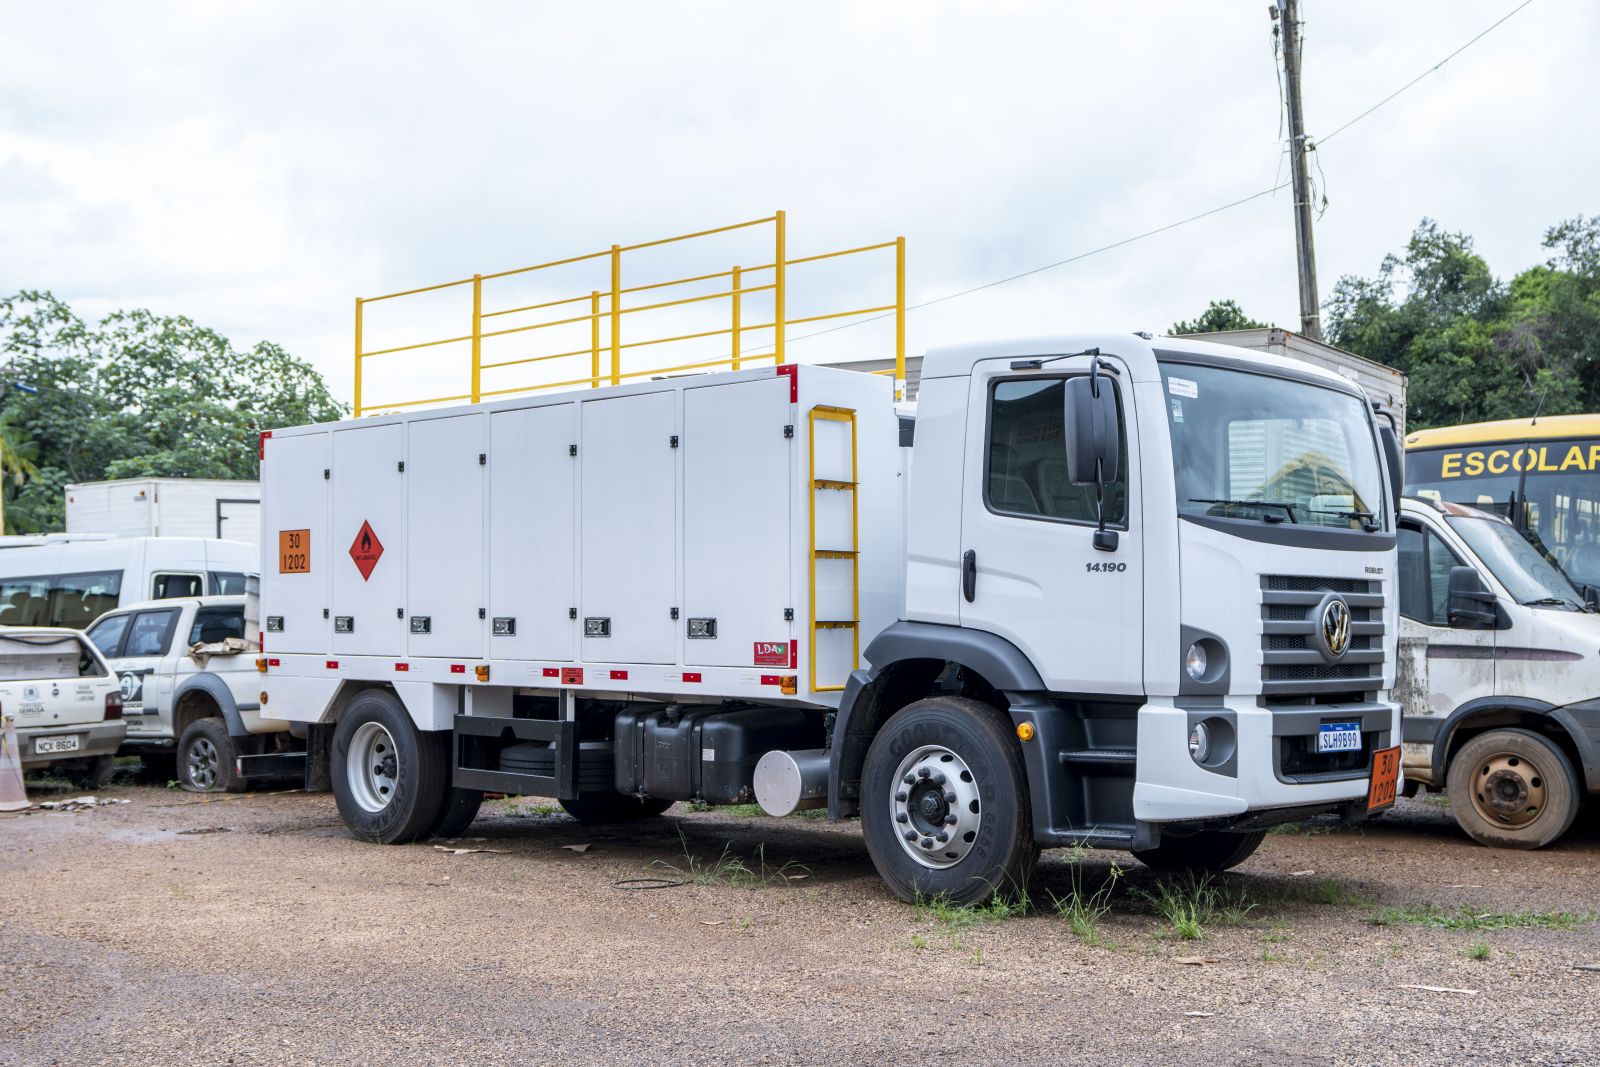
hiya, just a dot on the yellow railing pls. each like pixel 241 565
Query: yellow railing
pixel 605 358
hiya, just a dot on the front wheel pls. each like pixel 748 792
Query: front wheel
pixel 944 803
pixel 389 778
pixel 1512 789
pixel 1208 850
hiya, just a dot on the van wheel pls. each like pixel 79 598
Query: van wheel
pixel 460 808
pixel 205 759
pixel 389 778
pixel 1208 850
pixel 1512 789
pixel 94 772
pixel 601 808
pixel 944 803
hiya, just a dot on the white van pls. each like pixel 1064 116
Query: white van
pixel 1499 676
pixel 71 580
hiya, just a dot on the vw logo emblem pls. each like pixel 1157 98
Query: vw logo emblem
pixel 1336 627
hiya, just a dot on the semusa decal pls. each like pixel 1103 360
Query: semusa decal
pixel 772 654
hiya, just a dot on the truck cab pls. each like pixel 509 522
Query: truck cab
pixel 1496 676
pixel 190 691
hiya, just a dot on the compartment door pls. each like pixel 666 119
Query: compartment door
pixel 444 537
pixel 532 562
pixel 368 541
pixel 737 498
pixel 630 524
pixel 297 554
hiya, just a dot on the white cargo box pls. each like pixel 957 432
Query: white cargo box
pixel 721 535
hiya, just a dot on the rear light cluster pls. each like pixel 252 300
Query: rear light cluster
pixel 114 704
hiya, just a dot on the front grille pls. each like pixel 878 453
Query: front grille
pixel 1293 665
pixel 1299 760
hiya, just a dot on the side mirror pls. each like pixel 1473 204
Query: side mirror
pixel 1092 443
pixel 1392 458
pixel 1470 605
pixel 1093 455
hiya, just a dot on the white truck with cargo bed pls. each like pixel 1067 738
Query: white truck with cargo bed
pixel 1109 590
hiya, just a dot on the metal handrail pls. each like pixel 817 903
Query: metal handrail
pixel 609 307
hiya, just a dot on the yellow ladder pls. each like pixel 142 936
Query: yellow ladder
pixel 828 485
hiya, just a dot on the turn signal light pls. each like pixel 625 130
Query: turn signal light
pixel 790 684
pixel 261 665
pixel 263 696
pixel 482 671
pixel 1025 731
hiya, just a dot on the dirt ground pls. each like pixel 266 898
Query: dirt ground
pixel 254 930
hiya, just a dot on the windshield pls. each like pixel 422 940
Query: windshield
pixel 1558 483
pixel 1514 563
pixel 1251 446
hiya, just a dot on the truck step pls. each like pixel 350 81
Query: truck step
pixel 1099 756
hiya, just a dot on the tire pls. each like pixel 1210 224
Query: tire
pixel 460 808
pixel 205 759
pixel 990 847
pixel 1208 850
pixel 93 773
pixel 1512 789
pixel 601 808
pixel 389 778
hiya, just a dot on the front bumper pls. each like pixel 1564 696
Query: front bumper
pixel 94 739
pixel 1268 767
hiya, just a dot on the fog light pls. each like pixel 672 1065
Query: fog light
pixel 1194 663
pixel 1200 738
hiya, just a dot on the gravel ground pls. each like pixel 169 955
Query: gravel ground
pixel 254 929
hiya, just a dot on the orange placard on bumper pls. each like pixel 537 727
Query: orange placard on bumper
pixel 1385 779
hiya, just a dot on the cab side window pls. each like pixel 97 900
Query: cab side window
pixel 212 625
pixel 1027 463
pixel 107 634
pixel 150 633
pixel 1425 563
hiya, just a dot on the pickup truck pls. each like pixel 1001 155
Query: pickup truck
pixel 191 693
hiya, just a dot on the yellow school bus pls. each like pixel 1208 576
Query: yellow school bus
pixel 1542 473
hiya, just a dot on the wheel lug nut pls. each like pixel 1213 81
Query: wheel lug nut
pixel 942 837
pixel 950 820
pixel 949 798
pixel 902 817
pixel 927 842
pixel 923 772
pixel 909 779
pixel 938 778
pixel 901 796
pixel 910 835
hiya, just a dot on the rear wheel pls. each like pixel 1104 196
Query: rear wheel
pixel 614 807
pixel 1208 850
pixel 1512 789
pixel 945 803
pixel 389 778
pixel 205 759
pixel 94 772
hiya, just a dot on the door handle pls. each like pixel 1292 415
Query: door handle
pixel 969 574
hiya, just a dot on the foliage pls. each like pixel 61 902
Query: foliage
pixel 1221 315
pixel 1476 348
pixel 134 395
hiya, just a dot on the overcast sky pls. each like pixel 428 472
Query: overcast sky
pixel 257 167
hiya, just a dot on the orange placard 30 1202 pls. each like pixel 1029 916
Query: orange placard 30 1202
pixel 294 551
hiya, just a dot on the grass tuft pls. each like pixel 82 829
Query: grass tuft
pixel 1479 950
pixel 1083 909
pixel 1432 915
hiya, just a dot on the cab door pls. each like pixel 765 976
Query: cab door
pixel 1030 572
pixel 1441 667
pixel 144 673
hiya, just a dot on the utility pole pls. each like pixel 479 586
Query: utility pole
pixel 1287 13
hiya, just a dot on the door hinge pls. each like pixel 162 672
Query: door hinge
pixel 326 474
pixel 483 457
pixel 399 613
pixel 401 466
pixel 788 615
pixel 572 613
pixel 482 614
pixel 324 613
pixel 788 430
pixel 674 440
pixel 674 613
pixel 572 450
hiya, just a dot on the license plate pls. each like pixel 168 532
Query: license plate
pixel 1339 737
pixel 1385 778
pixel 69 743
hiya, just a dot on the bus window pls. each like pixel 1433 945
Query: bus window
pixel 167 586
pixel 227 583
pixel 25 601
pixel 76 600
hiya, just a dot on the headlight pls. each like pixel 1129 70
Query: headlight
pixel 1200 738
pixel 1194 663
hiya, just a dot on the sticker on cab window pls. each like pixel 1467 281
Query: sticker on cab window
pixel 1177 409
pixel 1183 387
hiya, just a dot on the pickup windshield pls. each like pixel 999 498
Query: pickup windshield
pixel 1256 447
pixel 1516 564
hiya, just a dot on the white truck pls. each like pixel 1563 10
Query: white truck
pixel 1497 678
pixel 226 509
pixel 1109 590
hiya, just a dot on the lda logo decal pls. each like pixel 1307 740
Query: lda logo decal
pixel 1336 627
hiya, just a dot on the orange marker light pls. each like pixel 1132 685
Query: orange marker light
pixel 1025 731
pixel 482 671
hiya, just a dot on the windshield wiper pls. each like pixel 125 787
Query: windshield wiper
pixel 1553 602
pixel 1288 509
pixel 1369 521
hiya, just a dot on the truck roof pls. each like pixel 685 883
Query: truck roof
pixel 1140 353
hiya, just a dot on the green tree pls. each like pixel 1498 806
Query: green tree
pixel 1221 315
pixel 137 395
pixel 1475 348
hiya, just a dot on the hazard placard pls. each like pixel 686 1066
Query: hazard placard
pixel 366 550
pixel 294 551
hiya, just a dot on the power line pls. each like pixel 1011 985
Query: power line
pixel 1171 225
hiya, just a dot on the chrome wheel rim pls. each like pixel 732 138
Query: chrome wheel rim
pixel 372 767
pixel 1508 790
pixel 933 807
pixel 201 763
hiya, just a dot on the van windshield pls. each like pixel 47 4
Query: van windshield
pixel 1257 447
pixel 1516 564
